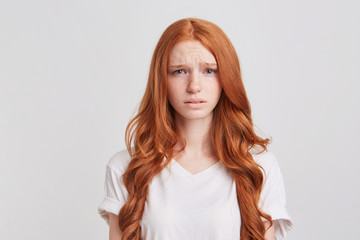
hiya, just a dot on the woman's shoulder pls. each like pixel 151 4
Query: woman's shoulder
pixel 266 159
pixel 119 161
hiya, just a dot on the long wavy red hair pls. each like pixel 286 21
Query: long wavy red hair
pixel 154 134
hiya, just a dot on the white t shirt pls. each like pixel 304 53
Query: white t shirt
pixel 182 205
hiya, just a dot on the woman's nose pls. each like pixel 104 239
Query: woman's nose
pixel 193 83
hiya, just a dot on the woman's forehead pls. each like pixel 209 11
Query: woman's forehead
pixel 190 52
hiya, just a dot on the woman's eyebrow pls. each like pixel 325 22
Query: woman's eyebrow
pixel 203 64
pixel 177 66
pixel 209 64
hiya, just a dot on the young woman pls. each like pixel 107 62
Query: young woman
pixel 196 169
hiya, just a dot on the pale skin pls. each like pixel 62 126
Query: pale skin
pixel 114 229
pixel 192 77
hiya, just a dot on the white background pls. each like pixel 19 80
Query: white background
pixel 72 74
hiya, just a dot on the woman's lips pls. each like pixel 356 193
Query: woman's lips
pixel 195 104
pixel 195 100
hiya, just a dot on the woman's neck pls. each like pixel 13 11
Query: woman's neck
pixel 196 134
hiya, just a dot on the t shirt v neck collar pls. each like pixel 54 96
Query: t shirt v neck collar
pixel 175 165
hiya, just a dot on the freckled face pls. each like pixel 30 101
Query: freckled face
pixel 193 80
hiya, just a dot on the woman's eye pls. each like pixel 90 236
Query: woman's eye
pixel 178 71
pixel 210 71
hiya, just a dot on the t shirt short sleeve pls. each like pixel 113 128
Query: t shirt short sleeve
pixel 114 189
pixel 273 198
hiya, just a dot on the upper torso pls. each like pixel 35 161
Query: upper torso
pixel 182 205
